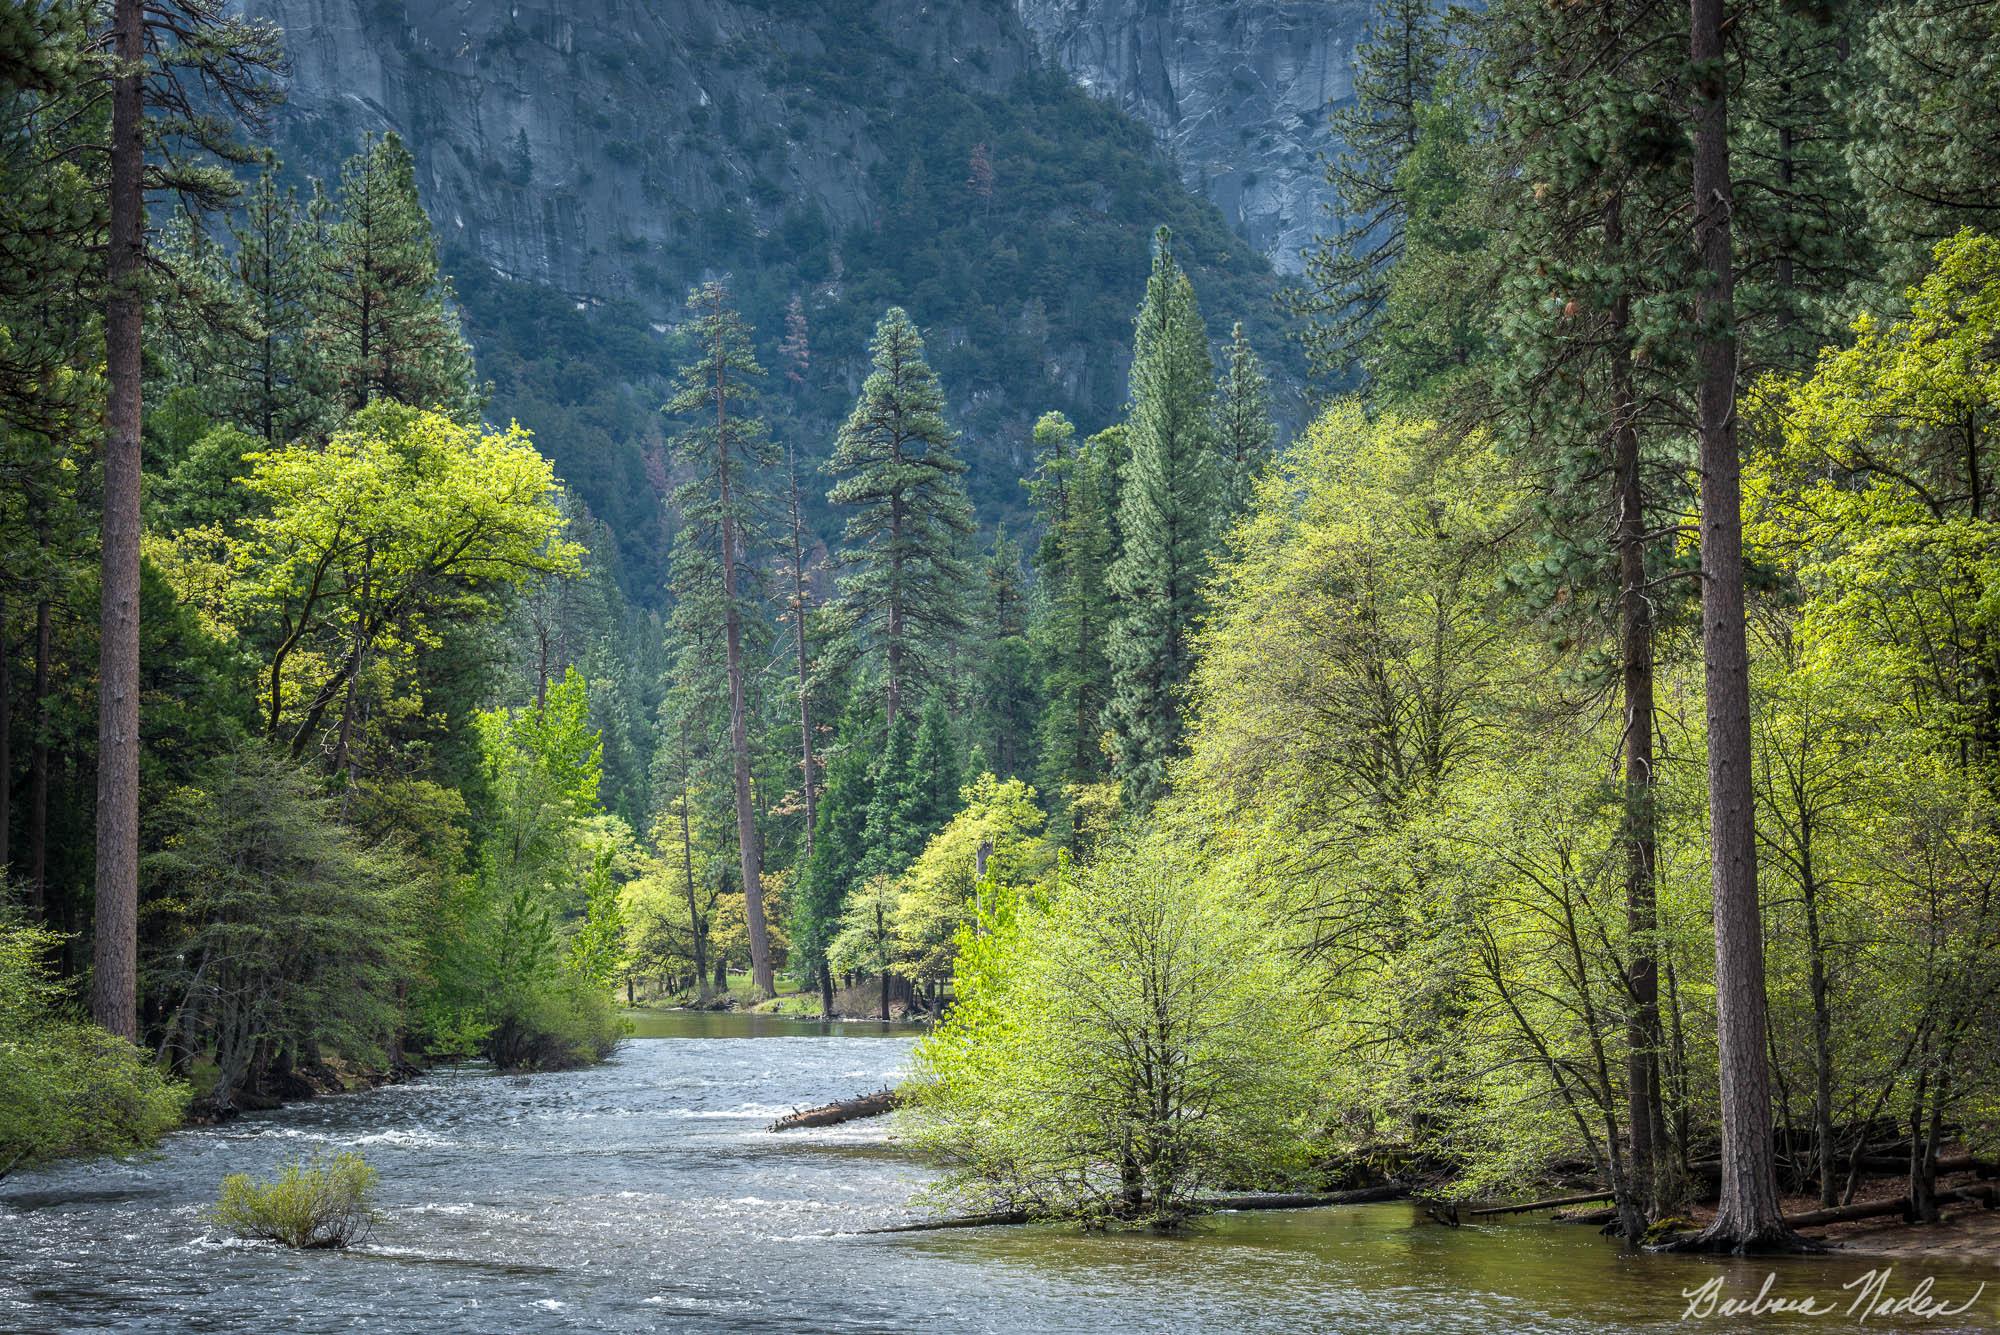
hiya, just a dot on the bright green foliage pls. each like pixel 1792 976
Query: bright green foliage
pixel 1243 428
pixel 366 546
pixel 1168 521
pixel 896 465
pixel 311 1204
pixel 383 325
pixel 279 938
pixel 944 895
pixel 519 961
pixel 1118 1050
pixel 66 1086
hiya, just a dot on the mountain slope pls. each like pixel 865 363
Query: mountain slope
pixel 586 160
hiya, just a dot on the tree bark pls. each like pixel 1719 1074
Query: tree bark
pixel 114 989
pixel 1645 1114
pixel 699 948
pixel 38 763
pixel 799 599
pixel 1747 1216
pixel 748 849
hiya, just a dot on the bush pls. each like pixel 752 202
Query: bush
pixel 1118 1052
pixel 68 1087
pixel 312 1204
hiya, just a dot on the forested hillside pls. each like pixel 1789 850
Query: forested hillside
pixel 588 166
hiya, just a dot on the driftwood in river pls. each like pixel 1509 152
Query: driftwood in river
pixel 1553 1203
pixel 840 1110
pixel 1268 1201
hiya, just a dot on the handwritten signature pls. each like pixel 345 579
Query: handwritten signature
pixel 1870 1297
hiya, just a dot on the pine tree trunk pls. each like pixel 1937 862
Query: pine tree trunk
pixel 1747 1216
pixel 1823 1133
pixel 6 747
pixel 739 726
pixel 38 763
pixel 825 991
pixel 699 947
pixel 799 644
pixel 114 994
pixel 1647 1121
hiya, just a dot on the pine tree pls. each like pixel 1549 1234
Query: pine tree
pixel 1003 663
pixel 1073 495
pixel 1347 271
pixel 170 66
pixel 887 846
pixel 935 777
pixel 1242 423
pixel 839 853
pixel 725 446
pixel 897 466
pixel 1167 518
pixel 383 323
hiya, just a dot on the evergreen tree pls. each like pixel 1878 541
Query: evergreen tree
pixel 1243 425
pixel 1167 518
pixel 935 777
pixel 896 465
pixel 1004 666
pixel 893 790
pixel 1073 492
pixel 383 323
pixel 1395 73
pixel 839 853
pixel 724 446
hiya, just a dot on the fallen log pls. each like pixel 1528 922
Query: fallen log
pixel 1553 1203
pixel 1841 1214
pixel 1603 1216
pixel 840 1110
pixel 1209 1204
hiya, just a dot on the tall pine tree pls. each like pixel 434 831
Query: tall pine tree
pixel 897 467
pixel 724 445
pixel 1243 427
pixel 1167 517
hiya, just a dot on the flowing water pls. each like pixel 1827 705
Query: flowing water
pixel 645 1195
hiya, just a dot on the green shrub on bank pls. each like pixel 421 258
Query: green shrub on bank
pixel 68 1087
pixel 311 1204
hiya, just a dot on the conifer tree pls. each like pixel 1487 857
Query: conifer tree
pixel 1396 72
pixel 180 74
pixel 896 465
pixel 1243 424
pixel 1167 519
pixel 839 854
pixel 725 446
pixel 935 778
pixel 1003 663
pixel 892 791
pixel 383 321
pixel 1073 496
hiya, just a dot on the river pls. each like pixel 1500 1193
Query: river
pixel 645 1195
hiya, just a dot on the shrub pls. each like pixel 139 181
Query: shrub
pixel 313 1203
pixel 68 1087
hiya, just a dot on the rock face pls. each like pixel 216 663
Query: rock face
pixel 586 135
pixel 565 141
pixel 1239 91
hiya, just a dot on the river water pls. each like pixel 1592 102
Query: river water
pixel 645 1195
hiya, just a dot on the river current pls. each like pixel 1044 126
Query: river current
pixel 646 1195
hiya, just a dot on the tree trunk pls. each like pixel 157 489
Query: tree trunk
pixel 695 934
pixel 721 974
pixel 6 747
pixel 799 600
pixel 1645 1114
pixel 38 762
pixel 1823 1133
pixel 115 984
pixel 747 846
pixel 1747 1216
pixel 825 991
